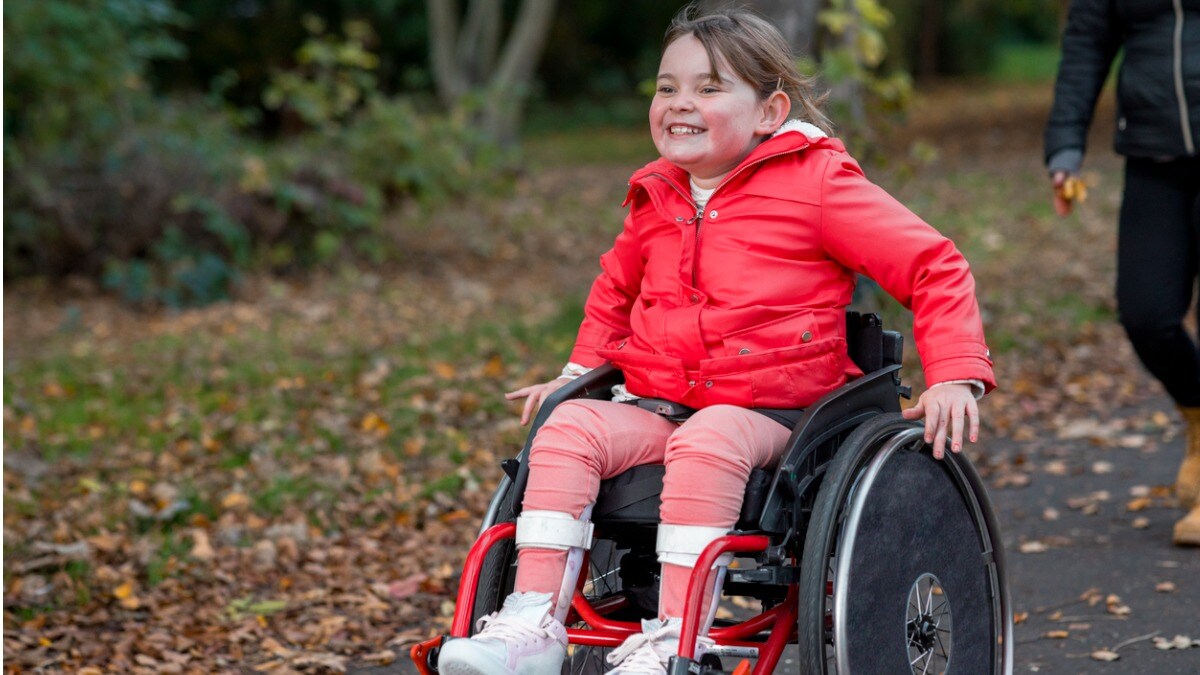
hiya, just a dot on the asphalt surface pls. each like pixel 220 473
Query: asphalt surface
pixel 1084 506
pixel 1087 525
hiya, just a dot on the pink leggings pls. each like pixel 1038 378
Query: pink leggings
pixel 708 458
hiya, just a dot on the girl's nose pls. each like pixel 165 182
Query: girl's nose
pixel 683 101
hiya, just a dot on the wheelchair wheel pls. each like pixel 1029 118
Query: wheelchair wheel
pixel 902 568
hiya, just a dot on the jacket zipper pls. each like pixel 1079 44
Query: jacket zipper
pixel 1179 92
pixel 698 218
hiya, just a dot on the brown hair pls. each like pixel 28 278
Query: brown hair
pixel 756 52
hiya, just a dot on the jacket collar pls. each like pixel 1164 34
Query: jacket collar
pixel 793 136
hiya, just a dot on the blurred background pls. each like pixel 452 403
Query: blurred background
pixel 270 265
pixel 161 149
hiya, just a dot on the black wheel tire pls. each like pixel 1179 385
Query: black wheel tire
pixel 816 624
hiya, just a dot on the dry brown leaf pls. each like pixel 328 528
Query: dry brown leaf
pixel 1137 504
pixel 1105 655
pixel 1165 587
pixel 1141 523
pixel 201 548
pixel 1056 634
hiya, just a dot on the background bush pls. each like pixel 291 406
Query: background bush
pixel 168 199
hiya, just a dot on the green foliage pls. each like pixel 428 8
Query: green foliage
pixel 333 76
pixel 860 63
pixel 165 199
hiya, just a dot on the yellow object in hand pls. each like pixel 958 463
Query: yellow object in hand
pixel 1073 189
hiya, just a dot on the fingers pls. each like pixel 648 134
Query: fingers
pixel 914 413
pixel 531 405
pixel 973 413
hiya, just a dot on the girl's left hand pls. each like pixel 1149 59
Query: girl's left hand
pixel 944 408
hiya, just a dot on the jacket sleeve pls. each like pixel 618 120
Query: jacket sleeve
pixel 868 231
pixel 1090 42
pixel 606 316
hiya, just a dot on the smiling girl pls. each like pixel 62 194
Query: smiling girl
pixel 726 293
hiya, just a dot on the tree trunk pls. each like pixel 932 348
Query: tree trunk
pixel 796 21
pixel 471 59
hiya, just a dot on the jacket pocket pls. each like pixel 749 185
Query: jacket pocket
pixel 794 330
pixel 790 377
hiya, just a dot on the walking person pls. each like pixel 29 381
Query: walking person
pixel 1158 127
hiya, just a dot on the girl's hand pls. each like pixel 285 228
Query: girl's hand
pixel 1062 205
pixel 944 408
pixel 534 395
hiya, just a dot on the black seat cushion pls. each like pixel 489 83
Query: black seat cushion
pixel 634 497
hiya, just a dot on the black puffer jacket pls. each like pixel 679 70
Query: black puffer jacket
pixel 1158 87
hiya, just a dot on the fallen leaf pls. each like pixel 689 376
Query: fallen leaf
pixel 1115 607
pixel 201 548
pixel 1033 547
pixel 1102 467
pixel 1141 523
pixel 1105 655
pixel 1137 504
pixel 398 590
pixel 1020 617
pixel 1165 587
pixel 1056 634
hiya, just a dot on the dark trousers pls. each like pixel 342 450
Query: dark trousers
pixel 1157 256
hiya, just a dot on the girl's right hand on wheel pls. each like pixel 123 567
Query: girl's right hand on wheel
pixel 535 395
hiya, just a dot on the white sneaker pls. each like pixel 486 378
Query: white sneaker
pixel 521 638
pixel 648 652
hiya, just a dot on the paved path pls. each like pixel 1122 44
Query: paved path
pixel 1096 543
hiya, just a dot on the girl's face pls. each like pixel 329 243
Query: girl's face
pixel 703 126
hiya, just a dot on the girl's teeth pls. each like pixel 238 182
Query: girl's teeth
pixel 684 130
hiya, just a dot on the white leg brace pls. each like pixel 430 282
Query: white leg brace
pixel 682 545
pixel 558 531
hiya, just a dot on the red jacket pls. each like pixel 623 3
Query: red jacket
pixel 745 303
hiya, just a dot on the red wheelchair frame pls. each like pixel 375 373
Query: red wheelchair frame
pixel 780 620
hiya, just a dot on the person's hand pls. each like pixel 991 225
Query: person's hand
pixel 1062 205
pixel 535 395
pixel 944 408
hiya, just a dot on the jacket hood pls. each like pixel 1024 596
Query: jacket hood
pixel 793 136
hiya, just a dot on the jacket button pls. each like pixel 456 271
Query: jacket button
pixel 708 384
pixel 743 351
pixel 679 219
pixel 806 336
pixel 695 298
pixel 712 214
pixel 691 383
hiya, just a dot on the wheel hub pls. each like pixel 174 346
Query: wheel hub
pixel 928 625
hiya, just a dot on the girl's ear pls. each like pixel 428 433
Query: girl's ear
pixel 774 113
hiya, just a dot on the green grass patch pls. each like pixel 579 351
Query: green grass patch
pixel 1025 62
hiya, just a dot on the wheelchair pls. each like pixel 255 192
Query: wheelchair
pixel 864 551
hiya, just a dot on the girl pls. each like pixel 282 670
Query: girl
pixel 726 292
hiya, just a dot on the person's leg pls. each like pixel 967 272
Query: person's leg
pixel 709 460
pixel 1156 271
pixel 582 443
pixel 1157 257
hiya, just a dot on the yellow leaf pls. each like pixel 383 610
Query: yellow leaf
pixel 494 368
pixel 444 370
pixel 235 500
pixel 373 423
pixel 137 488
pixel 45 642
pixel 1056 634
pixel 123 591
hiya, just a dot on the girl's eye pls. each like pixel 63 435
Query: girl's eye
pixel 708 90
pixel 664 89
